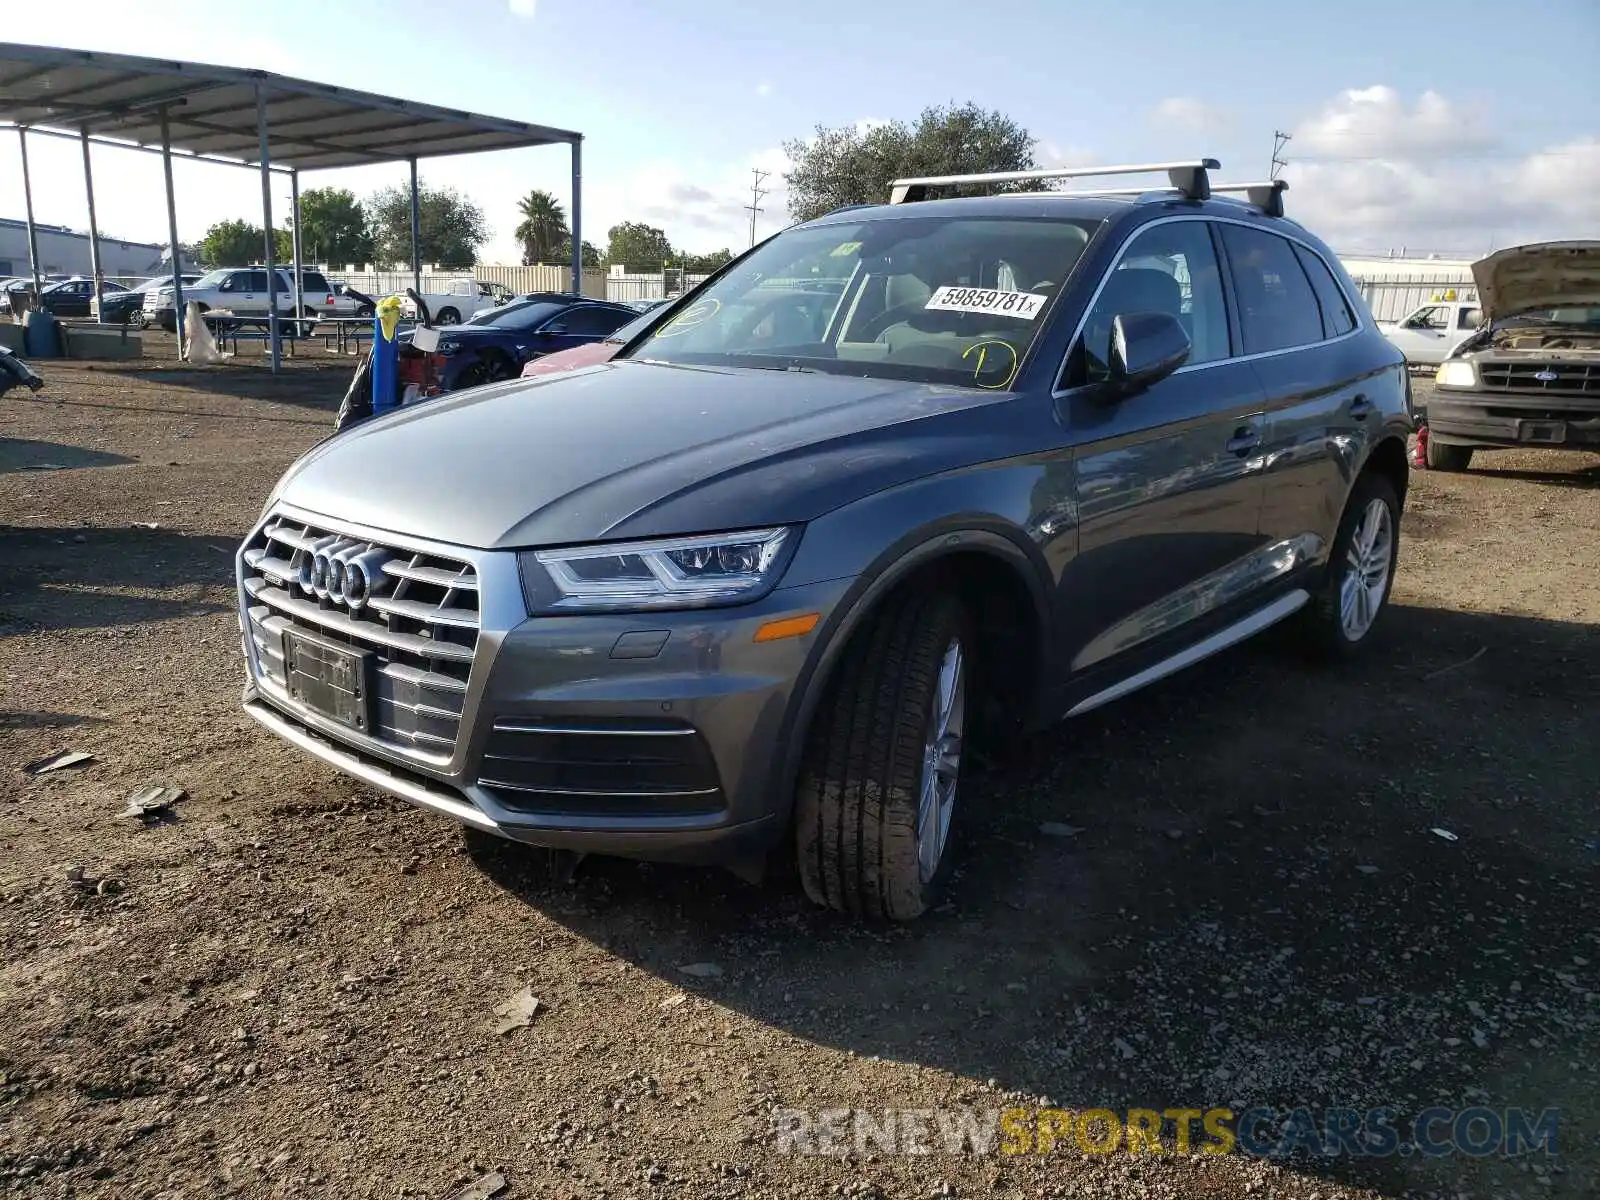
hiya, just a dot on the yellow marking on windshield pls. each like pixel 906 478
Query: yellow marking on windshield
pixel 692 317
pixel 844 248
pixel 983 357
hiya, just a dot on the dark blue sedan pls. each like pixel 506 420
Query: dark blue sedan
pixel 495 343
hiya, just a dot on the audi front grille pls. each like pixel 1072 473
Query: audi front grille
pixel 400 628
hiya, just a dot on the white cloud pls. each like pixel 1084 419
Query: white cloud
pixel 1371 173
pixel 763 90
pixel 1188 115
pixel 523 8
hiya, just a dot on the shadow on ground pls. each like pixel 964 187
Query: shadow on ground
pixel 1356 887
pixel 102 577
pixel 22 454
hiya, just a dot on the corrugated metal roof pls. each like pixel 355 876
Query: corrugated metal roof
pixel 211 111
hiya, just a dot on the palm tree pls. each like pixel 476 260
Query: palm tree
pixel 543 230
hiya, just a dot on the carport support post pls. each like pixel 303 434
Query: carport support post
pixel 94 231
pixel 172 232
pixel 577 216
pixel 266 224
pixel 416 230
pixel 294 242
pixel 27 205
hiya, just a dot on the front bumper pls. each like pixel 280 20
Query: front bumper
pixel 1462 417
pixel 652 735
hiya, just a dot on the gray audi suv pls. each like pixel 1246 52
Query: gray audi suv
pixel 897 479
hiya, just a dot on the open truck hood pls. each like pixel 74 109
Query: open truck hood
pixel 1542 275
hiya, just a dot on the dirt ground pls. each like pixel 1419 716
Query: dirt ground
pixel 1229 890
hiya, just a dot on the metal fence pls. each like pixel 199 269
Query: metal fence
pixel 1391 299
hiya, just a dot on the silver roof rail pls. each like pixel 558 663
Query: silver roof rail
pixel 1189 178
pixel 1267 194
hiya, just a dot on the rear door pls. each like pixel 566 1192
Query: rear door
pixel 1168 481
pixel 1298 328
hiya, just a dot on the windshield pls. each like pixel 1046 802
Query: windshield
pixel 523 314
pixel 209 280
pixel 937 299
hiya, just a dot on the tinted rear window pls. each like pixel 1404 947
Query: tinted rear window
pixel 1277 308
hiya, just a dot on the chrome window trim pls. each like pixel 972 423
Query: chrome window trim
pixel 1057 390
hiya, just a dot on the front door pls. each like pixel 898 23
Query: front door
pixel 1168 481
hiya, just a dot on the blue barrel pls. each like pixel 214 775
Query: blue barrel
pixel 41 335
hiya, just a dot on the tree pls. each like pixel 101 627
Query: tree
pixel 639 247
pixel 592 258
pixel 543 230
pixel 232 244
pixel 451 226
pixel 333 229
pixel 849 166
pixel 704 264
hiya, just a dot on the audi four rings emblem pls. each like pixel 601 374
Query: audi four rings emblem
pixel 342 570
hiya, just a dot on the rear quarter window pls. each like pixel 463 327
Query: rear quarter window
pixel 313 281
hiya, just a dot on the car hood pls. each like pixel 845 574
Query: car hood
pixel 632 449
pixel 1545 275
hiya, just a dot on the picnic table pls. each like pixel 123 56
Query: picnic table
pixel 342 335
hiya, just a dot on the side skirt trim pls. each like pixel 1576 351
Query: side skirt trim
pixel 1237 632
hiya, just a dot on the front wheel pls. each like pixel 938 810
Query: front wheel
pixel 489 367
pixel 1447 458
pixel 875 803
pixel 1360 574
pixel 449 316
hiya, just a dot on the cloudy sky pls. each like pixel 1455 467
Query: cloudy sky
pixel 1438 129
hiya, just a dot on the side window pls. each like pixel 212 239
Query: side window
pixel 233 283
pixel 313 281
pixel 1337 319
pixel 1436 317
pixel 1470 318
pixel 1170 268
pixel 257 282
pixel 590 319
pixel 1277 308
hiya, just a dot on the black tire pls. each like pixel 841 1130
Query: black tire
pixel 365 310
pixel 448 316
pixel 1447 458
pixel 1324 626
pixel 491 367
pixel 856 799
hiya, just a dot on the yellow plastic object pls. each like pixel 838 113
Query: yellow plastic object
pixel 389 313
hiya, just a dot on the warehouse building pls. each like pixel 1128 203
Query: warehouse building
pixel 63 251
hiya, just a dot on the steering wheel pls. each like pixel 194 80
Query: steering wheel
pixel 890 316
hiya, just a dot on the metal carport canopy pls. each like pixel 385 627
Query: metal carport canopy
pixel 248 117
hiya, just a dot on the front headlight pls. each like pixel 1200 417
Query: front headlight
pixel 1457 372
pixel 689 572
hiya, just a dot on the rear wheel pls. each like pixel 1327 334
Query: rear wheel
pixel 1360 574
pixel 875 804
pixel 1448 458
pixel 449 316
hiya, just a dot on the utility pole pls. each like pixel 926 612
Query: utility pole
pixel 756 192
pixel 1279 140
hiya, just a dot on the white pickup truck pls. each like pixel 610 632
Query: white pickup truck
pixel 461 299
pixel 1428 335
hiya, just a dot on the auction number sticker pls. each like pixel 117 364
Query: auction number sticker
pixel 1025 305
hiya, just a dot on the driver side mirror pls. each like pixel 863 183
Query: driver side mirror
pixel 1145 348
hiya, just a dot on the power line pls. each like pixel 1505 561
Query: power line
pixel 756 192
pixel 1279 140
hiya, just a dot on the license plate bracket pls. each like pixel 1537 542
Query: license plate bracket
pixel 332 679
pixel 1542 431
